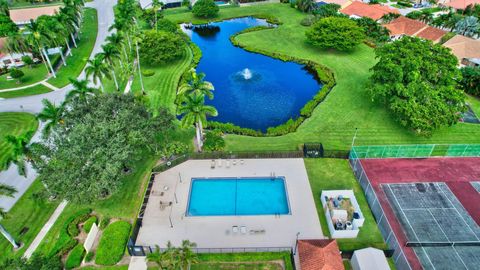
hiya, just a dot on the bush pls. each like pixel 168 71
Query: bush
pixel 104 222
pixel 148 72
pixel 470 82
pixel 89 223
pixel 65 241
pixel 404 4
pixel 160 47
pixel 214 141
pixel 167 26
pixel 89 256
pixel 17 74
pixel 205 9
pixel 233 129
pixel 112 244
pixel 174 148
pixel 27 60
pixel 447 37
pixel 73 229
pixel 336 33
pixel 75 257
pixel 309 20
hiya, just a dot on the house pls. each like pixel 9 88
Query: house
pixel 369 258
pixel 319 254
pixel 23 16
pixel 460 4
pixel 467 50
pixel 11 60
pixel 359 9
pixel 341 3
pixel 403 26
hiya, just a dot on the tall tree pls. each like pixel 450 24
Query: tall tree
pixel 39 39
pixel 4 9
pixel 20 154
pixel 196 85
pixel 186 255
pixel 80 90
pixel 338 33
pixel 51 115
pixel 416 79
pixel 97 70
pixel 195 112
pixel 109 54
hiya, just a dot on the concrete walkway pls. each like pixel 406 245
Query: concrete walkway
pixel 138 263
pixel 36 242
pixel 24 87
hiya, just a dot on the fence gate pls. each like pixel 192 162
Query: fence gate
pixel 312 150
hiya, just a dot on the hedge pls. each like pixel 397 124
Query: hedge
pixel 89 223
pixel 65 241
pixel 112 244
pixel 75 257
pixel 72 228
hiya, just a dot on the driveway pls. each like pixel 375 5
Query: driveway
pixel 33 104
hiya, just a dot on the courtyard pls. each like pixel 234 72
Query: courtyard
pixel 166 216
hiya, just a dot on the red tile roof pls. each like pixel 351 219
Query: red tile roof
pixel 319 254
pixel 361 9
pixel 431 33
pixel 405 26
pixel 461 4
pixel 27 14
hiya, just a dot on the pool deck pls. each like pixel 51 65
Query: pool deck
pixel 169 223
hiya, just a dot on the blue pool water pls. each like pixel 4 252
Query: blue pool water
pixel 237 197
pixel 251 90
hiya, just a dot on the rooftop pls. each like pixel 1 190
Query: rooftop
pixel 361 9
pixel 406 26
pixel 461 4
pixel 319 254
pixel 463 47
pixel 26 14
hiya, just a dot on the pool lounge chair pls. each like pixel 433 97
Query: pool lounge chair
pixel 212 165
pixel 235 229
pixel 243 230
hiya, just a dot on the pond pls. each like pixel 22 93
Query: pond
pixel 251 90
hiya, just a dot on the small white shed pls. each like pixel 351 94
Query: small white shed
pixel 368 259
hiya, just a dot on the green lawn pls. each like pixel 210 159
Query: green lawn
pixel 32 75
pixel 78 60
pixel 474 104
pixel 13 124
pixel 34 90
pixel 30 214
pixel 119 267
pixel 16 4
pixel 336 174
pixel 347 107
pixel 245 261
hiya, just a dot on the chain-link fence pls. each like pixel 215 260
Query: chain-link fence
pixel 416 151
pixel 399 257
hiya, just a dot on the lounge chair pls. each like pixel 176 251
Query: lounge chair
pixel 212 165
pixel 235 229
pixel 243 230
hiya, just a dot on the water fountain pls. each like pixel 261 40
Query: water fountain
pixel 247 74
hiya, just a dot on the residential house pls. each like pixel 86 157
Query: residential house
pixel 403 26
pixel 359 9
pixel 341 3
pixel 467 50
pixel 23 16
pixel 319 254
pixel 459 4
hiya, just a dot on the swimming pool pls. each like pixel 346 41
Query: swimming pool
pixel 238 197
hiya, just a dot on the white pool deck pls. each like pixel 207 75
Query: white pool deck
pixel 171 224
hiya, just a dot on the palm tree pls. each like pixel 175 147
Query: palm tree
pixel 97 69
pixel 167 259
pixel 80 90
pixel 468 26
pixel 116 40
pixel 110 54
pixel 51 114
pixel 38 39
pixel 55 31
pixel 4 7
pixel 196 85
pixel 156 4
pixel 20 154
pixel 195 111
pixel 7 191
pixel 186 256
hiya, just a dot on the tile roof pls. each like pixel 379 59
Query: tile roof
pixel 405 26
pixel 319 254
pixel 461 4
pixel 26 14
pixel 463 47
pixel 431 33
pixel 341 3
pixel 361 9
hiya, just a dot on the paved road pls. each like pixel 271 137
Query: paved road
pixel 33 104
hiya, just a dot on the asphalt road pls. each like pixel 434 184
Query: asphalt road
pixel 33 104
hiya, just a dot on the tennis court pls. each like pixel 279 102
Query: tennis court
pixel 437 227
pixel 476 185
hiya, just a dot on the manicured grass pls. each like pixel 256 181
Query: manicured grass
pixel 347 107
pixel 124 204
pixel 119 267
pixel 78 60
pixel 29 212
pixel 13 124
pixel 247 261
pixel 327 174
pixel 16 4
pixel 87 226
pixel 32 75
pixel 112 244
pixel 34 90
pixel 474 104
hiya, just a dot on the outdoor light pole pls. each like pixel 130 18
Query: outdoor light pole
pixel 354 137
pixel 296 244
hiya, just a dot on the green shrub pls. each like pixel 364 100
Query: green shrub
pixel 166 25
pixel 214 141
pixel 27 60
pixel 72 228
pixel 338 33
pixel 309 20
pixel 233 129
pixel 205 9
pixel 104 222
pixel 160 47
pixel 65 241
pixel 16 74
pixel 75 257
pixel 112 244
pixel 89 256
pixel 89 223
pixel 148 72
pixel 447 37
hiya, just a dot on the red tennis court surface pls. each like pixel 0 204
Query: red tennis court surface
pixel 455 172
